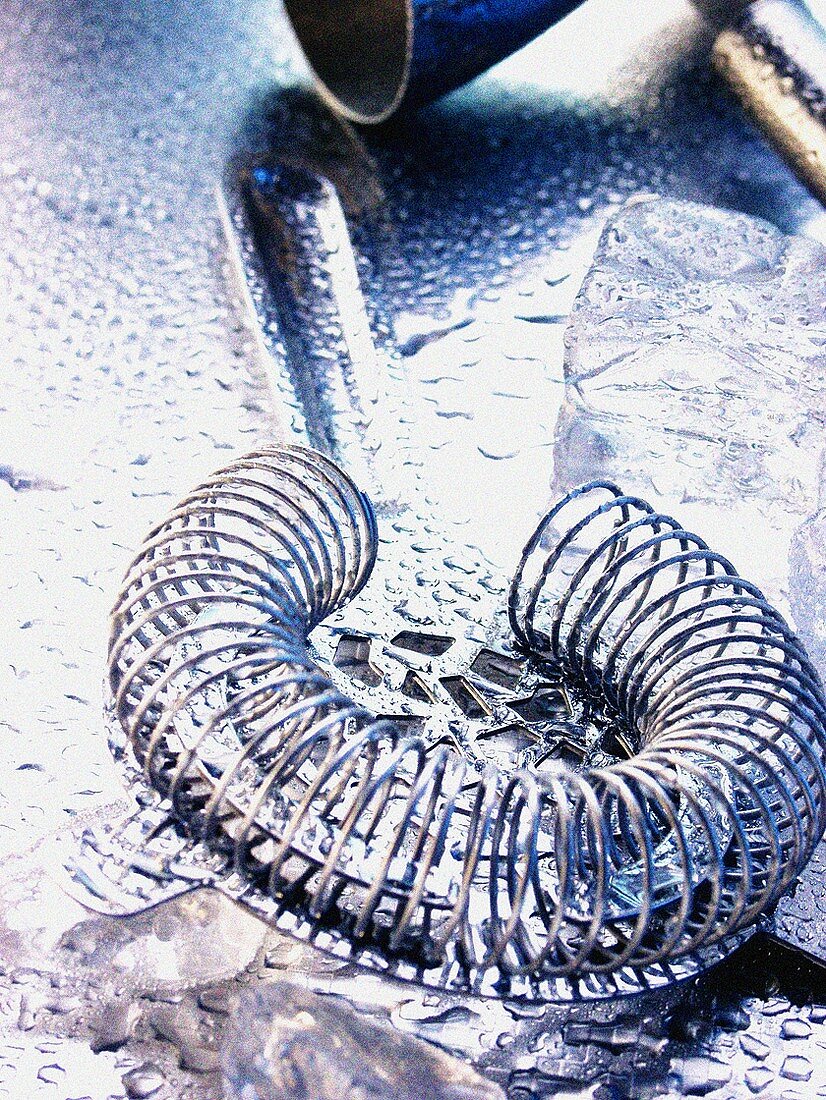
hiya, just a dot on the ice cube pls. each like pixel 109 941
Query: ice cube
pixel 286 1043
pixel 696 377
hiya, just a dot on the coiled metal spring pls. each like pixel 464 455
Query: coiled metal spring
pixel 410 848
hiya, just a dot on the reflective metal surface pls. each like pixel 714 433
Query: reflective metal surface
pixel 133 366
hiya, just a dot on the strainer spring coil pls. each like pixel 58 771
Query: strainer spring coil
pixel 409 847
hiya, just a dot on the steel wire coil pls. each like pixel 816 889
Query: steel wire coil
pixel 411 847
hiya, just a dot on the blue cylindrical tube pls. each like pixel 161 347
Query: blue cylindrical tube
pixel 372 58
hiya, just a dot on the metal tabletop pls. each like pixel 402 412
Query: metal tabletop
pixel 132 364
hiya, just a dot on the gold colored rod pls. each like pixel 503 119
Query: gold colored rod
pixel 772 101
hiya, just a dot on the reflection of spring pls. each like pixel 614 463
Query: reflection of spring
pixel 345 820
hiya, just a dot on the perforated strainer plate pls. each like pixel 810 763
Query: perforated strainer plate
pixel 599 789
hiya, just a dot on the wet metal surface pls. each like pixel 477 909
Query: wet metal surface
pixel 133 364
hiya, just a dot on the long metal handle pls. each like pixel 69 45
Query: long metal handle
pixel 774 59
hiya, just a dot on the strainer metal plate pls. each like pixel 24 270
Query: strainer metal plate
pixel 601 789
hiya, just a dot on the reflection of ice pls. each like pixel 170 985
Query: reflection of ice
pixel 198 938
pixel 807 586
pixel 75 988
